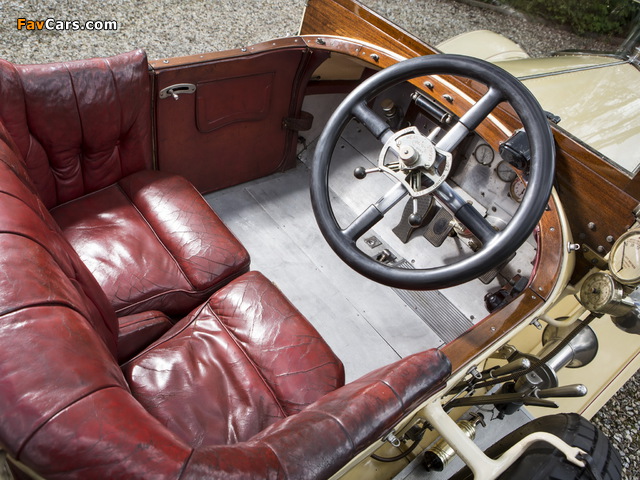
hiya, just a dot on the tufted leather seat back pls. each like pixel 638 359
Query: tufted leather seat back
pixel 25 220
pixel 70 147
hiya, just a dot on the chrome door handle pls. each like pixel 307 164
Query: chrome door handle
pixel 177 89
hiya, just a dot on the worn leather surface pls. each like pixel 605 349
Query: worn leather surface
pixel 81 125
pixel 138 331
pixel 243 387
pixel 68 411
pixel 152 242
pixel 34 241
pixel 316 442
pixel 263 356
pixel 83 130
pixel 51 308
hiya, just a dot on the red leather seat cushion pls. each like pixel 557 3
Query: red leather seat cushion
pixel 234 366
pixel 152 242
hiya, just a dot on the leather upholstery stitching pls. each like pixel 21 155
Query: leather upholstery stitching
pixel 156 235
pixel 44 305
pixel 142 320
pixel 31 136
pixel 87 298
pixel 45 422
pixel 81 156
pixel 86 195
pixel 110 327
pixel 342 427
pixel 251 362
pixel 9 194
pixel 186 463
pixel 24 107
pixel 195 292
pixel 120 132
pixel 162 340
pixel 384 382
pixel 275 454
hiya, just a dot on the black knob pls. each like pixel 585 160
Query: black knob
pixel 415 220
pixel 359 173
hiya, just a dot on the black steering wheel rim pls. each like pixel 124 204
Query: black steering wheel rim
pixel 500 247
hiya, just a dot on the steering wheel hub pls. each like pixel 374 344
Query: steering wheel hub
pixel 414 160
pixel 408 157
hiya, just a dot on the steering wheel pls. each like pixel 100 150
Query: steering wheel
pixel 420 157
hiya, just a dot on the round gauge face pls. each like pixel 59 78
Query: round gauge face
pixel 483 154
pixel 517 189
pixel 505 172
pixel 597 291
pixel 624 259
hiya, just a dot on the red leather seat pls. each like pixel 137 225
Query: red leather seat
pixel 246 355
pixel 84 131
pixel 242 387
pixel 152 242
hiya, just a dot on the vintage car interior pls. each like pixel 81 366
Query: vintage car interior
pixel 144 328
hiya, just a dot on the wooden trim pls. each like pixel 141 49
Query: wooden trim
pixel 352 19
pixel 550 252
pixel 169 63
pixel 599 211
pixel 499 323
pixel 490 330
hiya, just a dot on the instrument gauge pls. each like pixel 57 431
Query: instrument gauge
pixel 517 189
pixel 601 293
pixel 624 259
pixel 505 172
pixel 484 154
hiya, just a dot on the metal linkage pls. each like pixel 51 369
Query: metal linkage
pixel 483 467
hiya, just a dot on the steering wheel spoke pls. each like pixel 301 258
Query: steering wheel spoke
pixel 465 213
pixel 374 213
pixel 470 120
pixel 373 122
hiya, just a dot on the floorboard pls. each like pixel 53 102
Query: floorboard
pixel 366 324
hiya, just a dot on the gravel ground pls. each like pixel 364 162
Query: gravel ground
pixel 167 29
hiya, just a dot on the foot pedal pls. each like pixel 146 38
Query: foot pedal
pixel 424 210
pixel 439 227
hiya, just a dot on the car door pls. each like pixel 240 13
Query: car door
pixel 226 118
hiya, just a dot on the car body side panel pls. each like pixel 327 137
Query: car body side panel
pixel 233 128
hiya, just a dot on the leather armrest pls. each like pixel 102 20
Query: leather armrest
pixel 138 331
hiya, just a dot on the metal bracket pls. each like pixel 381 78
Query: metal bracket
pixel 593 258
pixel 177 89
pixel 483 467
pixel 392 439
